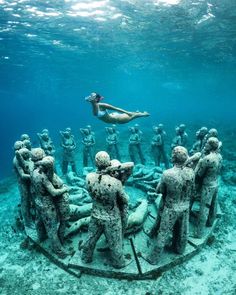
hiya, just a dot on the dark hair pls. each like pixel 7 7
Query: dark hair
pixel 99 97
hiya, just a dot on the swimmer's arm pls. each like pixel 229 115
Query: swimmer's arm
pixel 111 107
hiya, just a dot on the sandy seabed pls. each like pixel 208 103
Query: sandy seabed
pixel 212 271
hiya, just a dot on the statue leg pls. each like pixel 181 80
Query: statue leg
pixel 96 228
pixel 154 153
pixel 50 219
pixel 25 203
pixel 64 167
pixel 207 194
pixel 73 167
pixel 141 154
pixel 132 153
pixel 168 220
pixel 165 159
pixel 85 157
pixel 117 153
pixel 63 208
pixel 113 233
pixel 180 232
pixel 213 207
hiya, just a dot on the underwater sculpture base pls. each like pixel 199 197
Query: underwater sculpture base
pixel 135 248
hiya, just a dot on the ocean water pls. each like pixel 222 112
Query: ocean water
pixel 173 58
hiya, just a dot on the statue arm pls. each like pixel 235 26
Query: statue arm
pixel 53 191
pixel 21 172
pixel 201 168
pixel 161 187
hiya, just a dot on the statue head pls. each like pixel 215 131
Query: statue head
pixel 160 127
pixel 179 155
pixel 213 132
pixel 212 144
pixel 177 131
pixel 18 145
pixel 37 154
pixel 102 160
pixel 24 137
pixel 27 144
pixel 182 127
pixel 46 163
pixel 203 131
pixel 45 131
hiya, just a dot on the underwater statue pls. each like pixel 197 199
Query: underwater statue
pixel 198 145
pixel 46 143
pixel 26 141
pixel 112 143
pixel 158 146
pixel 105 217
pixel 176 187
pixel 207 172
pixel 183 134
pixel 88 142
pixel 23 166
pixel 176 141
pixel 52 209
pixel 117 116
pixel 122 172
pixel 135 140
pixel 211 133
pixel 68 155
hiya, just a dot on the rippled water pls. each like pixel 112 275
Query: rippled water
pixel 174 58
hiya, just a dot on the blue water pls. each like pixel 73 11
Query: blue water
pixel 175 59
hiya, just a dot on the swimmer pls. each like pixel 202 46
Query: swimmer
pixel 120 116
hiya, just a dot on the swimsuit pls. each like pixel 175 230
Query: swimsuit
pixel 102 114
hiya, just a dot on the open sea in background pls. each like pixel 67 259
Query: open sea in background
pixel 173 58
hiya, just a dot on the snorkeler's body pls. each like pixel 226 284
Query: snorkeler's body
pixel 120 116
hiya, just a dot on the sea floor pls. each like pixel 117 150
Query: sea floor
pixel 212 271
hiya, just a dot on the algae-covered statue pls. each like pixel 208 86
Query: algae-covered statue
pixel 88 142
pixel 26 141
pixel 183 135
pixel 158 146
pixel 135 140
pixel 198 144
pixel 48 196
pixel 117 116
pixel 211 133
pixel 122 172
pixel 23 166
pixel 105 191
pixel 176 187
pixel 207 172
pixel 68 155
pixel 46 142
pixel 112 143
pixel 176 141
